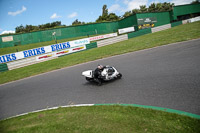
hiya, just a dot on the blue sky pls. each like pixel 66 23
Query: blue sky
pixel 13 13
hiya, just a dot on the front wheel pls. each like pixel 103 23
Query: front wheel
pixel 119 76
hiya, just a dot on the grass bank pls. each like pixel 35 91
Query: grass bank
pixel 106 119
pixel 176 34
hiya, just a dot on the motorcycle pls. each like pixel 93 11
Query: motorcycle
pixel 109 73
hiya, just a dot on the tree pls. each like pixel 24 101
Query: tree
pixel 195 2
pixel 152 7
pixel 143 8
pixel 112 17
pixel 134 11
pixel 167 6
pixel 104 15
pixel 76 22
pixel 126 14
pixel 30 28
pixel 104 10
pixel 19 29
pixel 107 17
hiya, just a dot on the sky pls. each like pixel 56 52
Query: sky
pixel 14 13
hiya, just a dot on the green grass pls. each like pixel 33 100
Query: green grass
pixel 176 34
pixel 102 119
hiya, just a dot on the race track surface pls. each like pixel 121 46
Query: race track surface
pixel 166 76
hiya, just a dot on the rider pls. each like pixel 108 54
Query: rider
pixel 98 71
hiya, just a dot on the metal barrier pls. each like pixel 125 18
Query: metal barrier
pixel 184 21
pixel 25 62
pixel 112 40
pixel 160 28
pixel 194 19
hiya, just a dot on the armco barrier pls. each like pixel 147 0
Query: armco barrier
pixel 3 67
pixel 112 40
pixel 160 28
pixel 22 63
pixel 184 21
pixel 139 33
pixel 194 19
pixel 176 23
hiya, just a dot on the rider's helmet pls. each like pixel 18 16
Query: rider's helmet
pixel 100 66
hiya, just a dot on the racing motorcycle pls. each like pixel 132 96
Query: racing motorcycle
pixel 109 73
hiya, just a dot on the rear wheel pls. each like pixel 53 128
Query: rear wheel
pixel 88 79
pixel 99 82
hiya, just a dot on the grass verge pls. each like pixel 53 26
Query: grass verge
pixel 106 119
pixel 176 34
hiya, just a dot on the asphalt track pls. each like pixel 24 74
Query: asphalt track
pixel 166 76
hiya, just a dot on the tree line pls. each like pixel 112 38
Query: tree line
pixel 31 28
pixel 104 17
pixel 107 17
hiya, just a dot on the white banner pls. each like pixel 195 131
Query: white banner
pixel 43 50
pixel 125 30
pixel 102 36
pixel 7 39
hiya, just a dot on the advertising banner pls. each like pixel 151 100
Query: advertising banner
pixel 126 30
pixel 102 36
pixel 144 23
pixel 7 39
pixel 42 50
pixel 144 26
pixel 149 20
pixel 60 53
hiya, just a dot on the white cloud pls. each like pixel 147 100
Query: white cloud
pixel 54 16
pixel 74 14
pixel 181 2
pixel 133 4
pixel 115 7
pixel 18 11
pixel 7 31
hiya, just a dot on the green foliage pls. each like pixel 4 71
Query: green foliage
pixel 154 7
pixel 195 2
pixel 143 8
pixel 76 22
pixel 107 17
pixel 31 28
pixel 126 14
